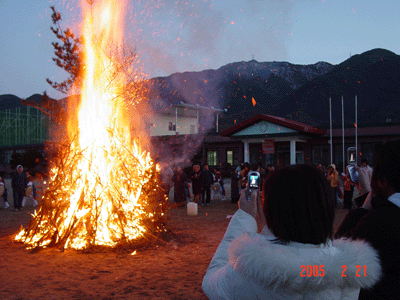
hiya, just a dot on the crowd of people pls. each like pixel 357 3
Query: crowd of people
pixel 281 244
pixel 203 182
pixel 342 190
pixel 26 187
pixel 206 183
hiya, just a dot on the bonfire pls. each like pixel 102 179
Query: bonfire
pixel 103 188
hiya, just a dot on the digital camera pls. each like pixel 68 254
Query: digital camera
pixel 253 183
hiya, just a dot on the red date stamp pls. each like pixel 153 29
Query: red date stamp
pixel 319 271
pixel 360 270
pixel 312 271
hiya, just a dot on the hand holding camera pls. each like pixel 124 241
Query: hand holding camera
pixel 253 207
pixel 250 199
pixel 253 183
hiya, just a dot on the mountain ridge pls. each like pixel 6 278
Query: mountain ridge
pixel 298 92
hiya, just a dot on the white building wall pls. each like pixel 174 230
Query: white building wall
pixel 160 125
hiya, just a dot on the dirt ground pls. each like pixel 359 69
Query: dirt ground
pixel 172 270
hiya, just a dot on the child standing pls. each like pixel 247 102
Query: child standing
pixel 3 192
pixel 30 192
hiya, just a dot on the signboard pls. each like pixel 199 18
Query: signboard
pixel 268 147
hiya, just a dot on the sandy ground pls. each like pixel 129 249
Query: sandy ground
pixel 172 270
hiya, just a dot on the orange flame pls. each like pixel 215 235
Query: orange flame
pixel 100 189
pixel 253 100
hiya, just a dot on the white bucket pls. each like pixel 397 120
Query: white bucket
pixel 192 209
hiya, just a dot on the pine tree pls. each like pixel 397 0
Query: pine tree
pixel 68 54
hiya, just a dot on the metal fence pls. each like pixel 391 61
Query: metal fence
pixel 23 125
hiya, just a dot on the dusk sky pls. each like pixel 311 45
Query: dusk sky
pixel 193 35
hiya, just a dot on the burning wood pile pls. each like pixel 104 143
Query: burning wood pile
pixel 103 188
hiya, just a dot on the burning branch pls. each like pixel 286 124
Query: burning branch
pixel 103 188
pixel 135 205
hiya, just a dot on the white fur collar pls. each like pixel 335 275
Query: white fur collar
pixel 279 266
pixel 395 199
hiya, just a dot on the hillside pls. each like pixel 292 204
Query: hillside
pixel 215 87
pixel 373 76
pixel 9 101
pixel 300 92
pixel 234 86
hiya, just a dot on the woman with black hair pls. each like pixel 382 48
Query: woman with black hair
pixel 293 256
pixel 378 221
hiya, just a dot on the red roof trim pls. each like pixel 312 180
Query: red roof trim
pixel 276 120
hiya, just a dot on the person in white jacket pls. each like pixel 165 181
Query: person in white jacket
pixel 294 255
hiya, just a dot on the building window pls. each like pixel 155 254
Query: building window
pixel 171 126
pixel 192 129
pixel 229 157
pixel 212 158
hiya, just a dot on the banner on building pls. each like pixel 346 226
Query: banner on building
pixel 268 146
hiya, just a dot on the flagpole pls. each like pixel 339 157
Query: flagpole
pixel 356 129
pixel 343 134
pixel 330 125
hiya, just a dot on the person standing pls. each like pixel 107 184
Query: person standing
pixel 4 192
pixel 39 184
pixel 348 187
pixel 30 193
pixel 235 187
pixel 218 178
pixel 195 177
pixel 180 186
pixel 378 221
pixel 243 176
pixel 239 168
pixel 367 168
pixel 364 177
pixel 262 172
pixel 333 176
pixel 321 169
pixel 166 179
pixel 207 180
pixel 19 182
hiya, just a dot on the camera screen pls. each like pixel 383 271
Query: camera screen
pixel 253 181
pixel 351 155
